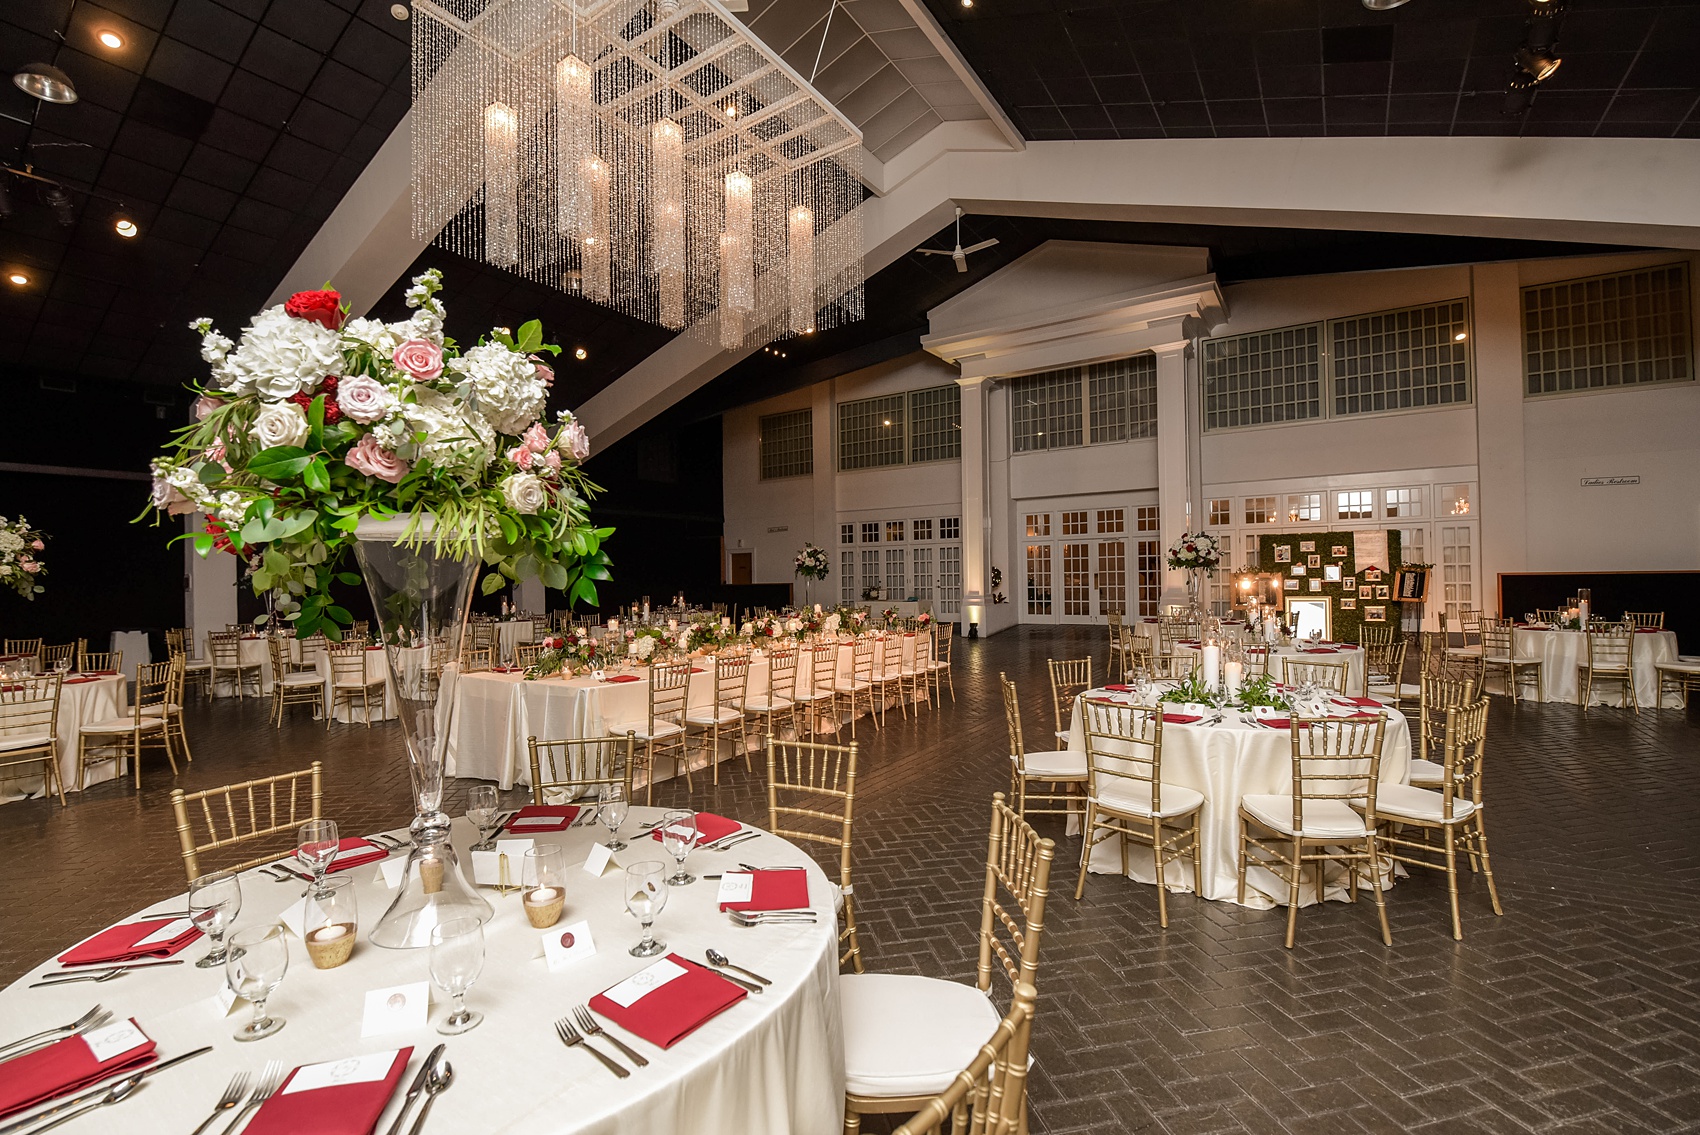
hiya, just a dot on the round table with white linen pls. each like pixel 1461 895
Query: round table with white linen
pixel 83 698
pixel 772 1062
pixel 1225 762
pixel 1561 652
pixel 1352 656
pixel 509 634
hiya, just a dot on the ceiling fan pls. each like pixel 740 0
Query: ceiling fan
pixel 958 254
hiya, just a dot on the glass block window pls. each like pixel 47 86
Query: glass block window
pixel 870 432
pixel 787 444
pixel 1262 510
pixel 1121 399
pixel 871 532
pixel 1221 512
pixel 1074 523
pixel 923 588
pixel 896 580
pixel 1148 518
pixel 1620 330
pixel 921 529
pixel 1045 410
pixel 894 531
pixel 1354 505
pixel 1112 520
pixel 1304 507
pixel 950 528
pixel 847 577
pixel 846 533
pixel 950 580
pixel 1403 502
pixel 935 424
pixel 870 567
pixel 1258 379
pixel 1401 360
pixel 1038 524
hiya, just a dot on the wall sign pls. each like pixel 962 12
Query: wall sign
pixel 1608 482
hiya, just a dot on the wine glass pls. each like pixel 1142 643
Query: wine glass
pixel 259 957
pixel 611 806
pixel 214 902
pixel 481 810
pixel 646 895
pixel 678 836
pixel 316 846
pixel 457 958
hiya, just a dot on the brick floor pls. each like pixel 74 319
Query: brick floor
pixel 1575 1012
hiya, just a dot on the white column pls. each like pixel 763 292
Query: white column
pixel 209 587
pixel 1172 457
pixel 824 486
pixel 976 508
pixel 1498 328
pixel 530 595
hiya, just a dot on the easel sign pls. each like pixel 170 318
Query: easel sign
pixel 1411 585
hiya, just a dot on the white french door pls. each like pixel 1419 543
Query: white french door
pixel 1079 565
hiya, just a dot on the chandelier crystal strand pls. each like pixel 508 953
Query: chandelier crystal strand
pixel 501 184
pixel 667 220
pixel 575 131
pixel 738 282
pixel 800 269
pixel 596 247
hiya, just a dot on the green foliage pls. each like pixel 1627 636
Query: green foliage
pixel 1261 691
pixel 1347 624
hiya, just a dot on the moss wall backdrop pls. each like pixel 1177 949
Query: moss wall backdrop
pixel 1346 622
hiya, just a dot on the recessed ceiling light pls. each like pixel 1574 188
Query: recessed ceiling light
pixel 400 11
pixel 111 39
pixel 126 228
pixel 581 354
pixel 967 3
pixel 18 278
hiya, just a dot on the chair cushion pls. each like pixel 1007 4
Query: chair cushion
pixel 24 741
pixel 722 715
pixel 1401 801
pixel 663 729
pixel 193 665
pixel 1324 819
pixel 157 710
pixel 1127 796
pixel 295 680
pixel 764 704
pixel 1386 690
pixel 846 687
pixel 1424 772
pixel 123 725
pixel 907 1035
pixel 1040 766
pixel 1680 667
pixel 1463 652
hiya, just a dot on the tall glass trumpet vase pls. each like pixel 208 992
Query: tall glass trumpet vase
pixel 420 596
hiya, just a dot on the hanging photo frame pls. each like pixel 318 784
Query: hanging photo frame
pixel 1339 552
pixel 1313 560
pixel 1283 553
pixel 1307 545
pixel 1331 572
pixel 1349 603
pixel 1350 583
pixel 1316 585
pixel 1375 614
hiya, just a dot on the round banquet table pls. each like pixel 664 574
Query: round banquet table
pixel 1225 762
pixel 1352 656
pixel 771 1063
pixel 509 634
pixel 1561 652
pixel 83 698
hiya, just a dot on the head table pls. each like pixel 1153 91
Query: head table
pixel 772 1062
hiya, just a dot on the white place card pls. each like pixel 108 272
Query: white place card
pixel 226 999
pixel 400 1008
pixel 736 886
pixel 358 849
pixel 487 865
pixel 596 863
pixel 534 822
pixel 294 918
pixel 564 945
pixel 644 982
pixel 391 870
pixel 113 1040
pixel 367 1069
pixel 598 675
pixel 166 933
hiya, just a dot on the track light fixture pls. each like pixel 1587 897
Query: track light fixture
pixel 1538 63
pixel 1538 58
pixel 56 198
pixel 1384 5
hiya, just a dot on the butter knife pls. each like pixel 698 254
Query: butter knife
pixel 98 1091
pixel 413 1089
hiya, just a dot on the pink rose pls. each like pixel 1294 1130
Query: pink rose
pixel 521 456
pixel 536 438
pixel 165 496
pixel 545 374
pixel 37 545
pixel 374 460
pixel 364 400
pixel 204 407
pixel 421 358
pixel 30 566
pixel 552 461
pixel 576 441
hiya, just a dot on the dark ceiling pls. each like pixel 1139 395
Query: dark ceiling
pixel 1273 68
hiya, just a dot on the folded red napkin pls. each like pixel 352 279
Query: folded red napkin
pixel 1346 646
pixel 559 818
pixel 710 827
pixel 1276 722
pixel 1319 650
pixel 1181 718
pixel 1646 630
pixel 1370 702
pixel 347 1101
pixel 504 669
pixel 355 852
pixel 79 680
pixel 125 943
pixel 75 1062
pixel 100 673
pixel 1119 688
pixel 673 1011
pixel 1257 650
pixel 623 678
pixel 697 670
pixel 1188 642
pixel 780 888
pixel 374 648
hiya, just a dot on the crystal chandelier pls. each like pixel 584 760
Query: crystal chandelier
pixel 652 156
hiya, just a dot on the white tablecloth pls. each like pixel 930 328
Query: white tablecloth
pixel 1561 652
pixel 771 1063
pixel 509 635
pixel 136 650
pixel 1225 762
pixel 1353 657
pixel 377 670
pixel 80 702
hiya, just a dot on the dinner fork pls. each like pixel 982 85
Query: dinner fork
pixel 93 1019
pixel 270 1079
pixel 592 1027
pixel 570 1037
pixel 232 1096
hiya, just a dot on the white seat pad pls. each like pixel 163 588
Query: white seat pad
pixel 763 704
pixel 1401 801
pixel 1425 772
pixel 1681 667
pixel 24 741
pixel 1463 652
pixel 724 715
pixel 122 725
pixel 662 729
pixel 846 687
pixel 1128 796
pixel 907 1035
pixel 1041 765
pixel 1324 819
pixel 302 680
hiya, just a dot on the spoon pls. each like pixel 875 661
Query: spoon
pixel 441 1077
pixel 716 958
pixel 106 975
pixel 119 1090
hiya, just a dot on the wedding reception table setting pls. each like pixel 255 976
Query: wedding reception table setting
pixel 83 698
pixel 1562 652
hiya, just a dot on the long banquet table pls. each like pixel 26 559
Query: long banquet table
pixel 1561 652
pixel 769 1063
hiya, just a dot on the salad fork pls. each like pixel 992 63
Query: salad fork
pixel 592 1027
pixel 571 1038
pixel 232 1096
pixel 270 1079
pixel 69 979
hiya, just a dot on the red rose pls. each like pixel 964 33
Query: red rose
pixel 222 544
pixel 328 387
pixel 333 412
pixel 318 307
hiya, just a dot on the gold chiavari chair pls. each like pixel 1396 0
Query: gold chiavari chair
pixel 176 736
pixel 1645 620
pixel 723 719
pixel 1384 676
pixel 1256 662
pixel 811 797
pixel 292 682
pixel 481 634
pixel 23 646
pixel 29 728
pixel 1069 679
pixel 822 659
pixel 1610 659
pixel 1329 675
pixel 197 672
pixel 663 730
pixel 780 697
pixel 1499 655
pixel 1411 818
pixel 123 738
pixel 1438 696
pixel 576 768
pixel 989 1097
pixel 917 669
pixel 944 635
pixel 1064 772
pixel 1468 624
pixel 1679 678
pixel 350 683
pixel 51 656
pixel 100 661
pixel 1117 667
pixel 249 812
pixel 1170 630
pixel 359 628
pixel 1172 667
pixel 859 686
pixel 526 653
pixel 1548 615
pixel 888 672
pixel 1330 815
pixel 1127 798
pixel 906 1038
pixel 475 659
pixel 226 650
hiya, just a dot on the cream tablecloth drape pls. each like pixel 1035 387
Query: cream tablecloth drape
pixel 81 701
pixel 1561 652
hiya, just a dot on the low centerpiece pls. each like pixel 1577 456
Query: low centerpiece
pixel 21 568
pixel 320 437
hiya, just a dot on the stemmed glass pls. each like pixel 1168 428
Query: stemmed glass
pixel 611 806
pixel 259 957
pixel 214 902
pixel 678 836
pixel 316 846
pixel 481 810
pixel 457 958
pixel 646 895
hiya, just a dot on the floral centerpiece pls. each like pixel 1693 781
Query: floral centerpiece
pixel 573 649
pixel 704 636
pixel 923 620
pixel 1195 551
pixel 645 642
pixel 850 619
pixel 21 568
pixel 890 615
pixel 313 422
pixel 812 562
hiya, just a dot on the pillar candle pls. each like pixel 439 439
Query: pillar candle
pixel 1232 673
pixel 1211 665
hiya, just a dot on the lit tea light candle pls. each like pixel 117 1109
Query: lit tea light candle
pixel 325 934
pixel 543 895
pixel 543 906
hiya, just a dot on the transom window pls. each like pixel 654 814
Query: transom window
pixel 1621 330
pixel 1401 360
pixel 787 444
pixel 1147 518
pixel 1122 399
pixel 894 531
pixel 1221 512
pixel 1262 510
pixel 935 424
pixel 870 432
pixel 1074 524
pixel 1262 378
pixel 1304 507
pixel 1045 410
pixel 1354 505
pixel 950 528
pixel 922 529
pixel 1403 502
pixel 846 533
pixel 1038 524
pixel 1112 520
pixel 870 532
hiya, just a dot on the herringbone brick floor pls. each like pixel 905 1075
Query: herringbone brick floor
pixel 1575 1012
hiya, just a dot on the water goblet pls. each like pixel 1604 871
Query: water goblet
pixel 678 836
pixel 481 810
pixel 457 958
pixel 316 846
pixel 259 957
pixel 611 804
pixel 646 895
pixel 214 902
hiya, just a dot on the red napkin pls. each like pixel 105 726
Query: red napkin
pixel 1181 718
pixel 563 816
pixel 1646 630
pixel 1320 650
pixel 119 944
pixel 374 648
pixel 1188 642
pixel 775 889
pixel 1347 646
pixel 1257 650
pixel 100 673
pixel 1277 722
pixel 677 1009
pixel 709 827
pixel 1120 689
pixel 80 680
pixel 64 1067
pixel 340 1109
pixel 697 670
pixel 1370 702
pixel 625 678
pixel 504 669
pixel 355 852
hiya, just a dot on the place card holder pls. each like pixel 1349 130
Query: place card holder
pixel 505 884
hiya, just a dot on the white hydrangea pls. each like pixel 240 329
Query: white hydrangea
pixel 451 440
pixel 228 507
pixel 503 386
pixel 10 541
pixel 375 333
pixel 280 356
